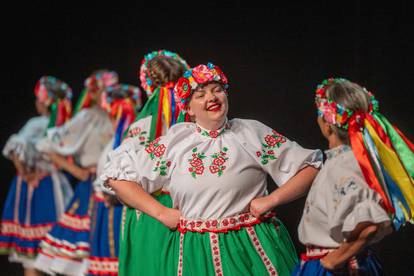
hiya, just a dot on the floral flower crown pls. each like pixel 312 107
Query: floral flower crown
pixel 334 113
pixel 196 76
pixel 49 89
pixel 122 92
pixel 101 79
pixel 146 82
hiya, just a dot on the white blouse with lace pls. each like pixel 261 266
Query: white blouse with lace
pixel 338 201
pixel 212 174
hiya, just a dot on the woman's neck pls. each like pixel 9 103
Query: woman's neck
pixel 334 141
pixel 212 125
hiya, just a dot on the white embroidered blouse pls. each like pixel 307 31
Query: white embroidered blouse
pixel 84 136
pixel 212 174
pixel 338 200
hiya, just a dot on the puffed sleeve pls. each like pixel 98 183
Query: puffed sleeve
pixel 280 157
pixel 353 203
pixel 136 139
pixel 150 167
pixel 22 144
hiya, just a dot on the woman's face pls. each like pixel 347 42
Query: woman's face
pixel 209 105
pixel 41 108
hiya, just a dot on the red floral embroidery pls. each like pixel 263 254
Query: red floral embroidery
pixel 159 151
pixel 219 158
pixel 151 146
pixel 156 151
pixel 137 132
pixel 214 134
pixel 272 141
pixel 196 163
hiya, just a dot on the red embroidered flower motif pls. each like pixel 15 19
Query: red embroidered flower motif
pixel 219 159
pixel 196 163
pixel 202 74
pixel 199 170
pixel 270 140
pixel 159 151
pixel 214 169
pixel 214 134
pixel 151 146
pixel 273 141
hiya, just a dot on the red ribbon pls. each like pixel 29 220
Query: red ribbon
pixel 379 130
pixel 158 127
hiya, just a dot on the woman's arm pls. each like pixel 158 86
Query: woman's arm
pixel 294 188
pixel 136 197
pixel 360 238
pixel 63 163
pixel 18 165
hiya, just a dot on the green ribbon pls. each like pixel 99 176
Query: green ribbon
pixel 404 152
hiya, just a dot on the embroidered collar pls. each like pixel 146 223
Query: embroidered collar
pixel 212 133
pixel 331 153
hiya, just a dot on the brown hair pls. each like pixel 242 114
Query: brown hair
pixel 163 69
pixel 351 96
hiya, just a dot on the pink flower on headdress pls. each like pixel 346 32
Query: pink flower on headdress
pixel 329 113
pixel 109 78
pixel 202 74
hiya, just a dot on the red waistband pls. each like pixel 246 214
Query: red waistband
pixel 221 225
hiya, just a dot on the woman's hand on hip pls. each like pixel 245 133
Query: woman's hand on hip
pixel 170 217
pixel 260 206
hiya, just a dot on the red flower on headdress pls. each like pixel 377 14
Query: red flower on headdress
pixel 202 74
pixel 183 88
pixel 223 78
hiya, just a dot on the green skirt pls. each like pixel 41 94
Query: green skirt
pixel 147 247
pixel 142 239
pixel 262 249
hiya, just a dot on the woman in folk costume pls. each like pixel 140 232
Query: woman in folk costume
pixel 122 102
pixel 142 235
pixel 39 192
pixel 365 186
pixel 216 172
pixel 83 137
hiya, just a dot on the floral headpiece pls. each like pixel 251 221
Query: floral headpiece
pixel 334 113
pixel 56 95
pixel 144 76
pixel 100 80
pixel 121 93
pixel 194 77
pixel 49 89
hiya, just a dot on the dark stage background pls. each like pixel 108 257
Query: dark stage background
pixel 274 57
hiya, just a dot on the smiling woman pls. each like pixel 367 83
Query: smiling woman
pixel 215 171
